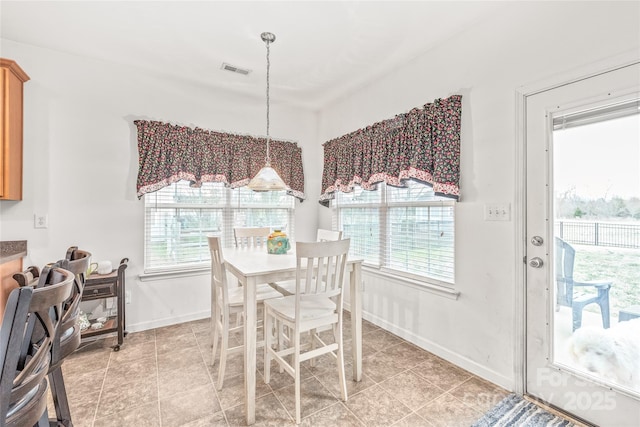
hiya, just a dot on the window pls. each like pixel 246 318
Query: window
pixel 407 231
pixel 179 218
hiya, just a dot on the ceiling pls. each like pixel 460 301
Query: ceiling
pixel 323 50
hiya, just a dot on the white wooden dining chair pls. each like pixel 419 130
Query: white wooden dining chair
pixel 247 237
pixel 328 235
pixel 226 301
pixel 288 287
pixel 320 269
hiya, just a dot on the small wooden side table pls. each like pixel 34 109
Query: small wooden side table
pixel 102 286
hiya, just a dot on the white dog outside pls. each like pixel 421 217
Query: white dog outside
pixel 613 354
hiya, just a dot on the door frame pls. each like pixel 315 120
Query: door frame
pixel 520 196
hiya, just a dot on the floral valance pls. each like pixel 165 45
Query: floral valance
pixel 423 144
pixel 170 153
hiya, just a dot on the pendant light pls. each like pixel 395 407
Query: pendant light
pixel 267 179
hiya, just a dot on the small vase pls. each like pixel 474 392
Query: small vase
pixel 278 243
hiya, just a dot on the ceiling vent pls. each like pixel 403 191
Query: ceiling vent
pixel 234 69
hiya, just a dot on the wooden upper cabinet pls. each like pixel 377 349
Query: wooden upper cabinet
pixel 12 79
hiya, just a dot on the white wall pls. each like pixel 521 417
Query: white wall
pixel 522 44
pixel 80 166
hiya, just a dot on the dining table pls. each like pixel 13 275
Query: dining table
pixel 254 266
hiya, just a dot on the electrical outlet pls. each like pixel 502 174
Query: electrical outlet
pixel 497 212
pixel 40 220
pixel 127 297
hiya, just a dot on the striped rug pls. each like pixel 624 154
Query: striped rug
pixel 516 411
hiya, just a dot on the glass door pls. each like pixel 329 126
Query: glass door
pixel 583 249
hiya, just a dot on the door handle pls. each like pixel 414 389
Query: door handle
pixel 536 262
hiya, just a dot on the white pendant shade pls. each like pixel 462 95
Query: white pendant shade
pixel 267 179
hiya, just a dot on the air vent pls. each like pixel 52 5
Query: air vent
pixel 234 69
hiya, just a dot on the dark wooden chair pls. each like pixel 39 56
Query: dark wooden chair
pixel 67 338
pixel 26 339
pixel 566 287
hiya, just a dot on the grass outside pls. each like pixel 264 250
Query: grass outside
pixel 620 265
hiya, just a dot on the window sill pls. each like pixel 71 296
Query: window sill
pixel 164 275
pixel 440 290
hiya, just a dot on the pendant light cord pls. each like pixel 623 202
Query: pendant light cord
pixel 268 158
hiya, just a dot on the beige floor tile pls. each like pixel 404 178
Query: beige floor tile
pixel 179 359
pixel 380 339
pixel 313 397
pixel 200 324
pixel 165 377
pixel 329 378
pixel 186 407
pixel 335 415
pixel 172 343
pixel 134 351
pixel 381 366
pixel 83 409
pixel 447 411
pixel 269 412
pixel 376 407
pixel 138 337
pixel 216 420
pixel 442 373
pixel 479 394
pixel 176 381
pixel 411 389
pixel 79 383
pixel 127 371
pixel 413 420
pixel 232 392
pixel 140 416
pixel 116 397
pixel 173 330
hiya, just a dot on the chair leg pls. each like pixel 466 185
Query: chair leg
pixel 604 307
pixel 60 401
pixel 337 333
pixel 312 334
pixel 223 348
pixel 577 316
pixel 281 341
pixel 268 325
pixel 216 335
pixel 296 367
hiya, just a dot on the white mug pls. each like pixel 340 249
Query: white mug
pixel 104 267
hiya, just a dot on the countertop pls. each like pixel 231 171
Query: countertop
pixel 12 249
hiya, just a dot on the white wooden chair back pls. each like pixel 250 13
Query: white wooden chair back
pixel 219 290
pixel 328 235
pixel 320 268
pixel 247 237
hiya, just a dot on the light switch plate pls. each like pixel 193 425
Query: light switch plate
pixel 40 220
pixel 497 212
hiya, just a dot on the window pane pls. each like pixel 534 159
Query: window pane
pixel 177 236
pixel 358 195
pixel 408 230
pixel 179 218
pixel 277 219
pixel 422 241
pixel 362 226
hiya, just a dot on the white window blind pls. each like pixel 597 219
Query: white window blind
pixel 178 220
pixel 409 231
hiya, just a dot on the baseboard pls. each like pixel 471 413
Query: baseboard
pixel 438 350
pixel 167 321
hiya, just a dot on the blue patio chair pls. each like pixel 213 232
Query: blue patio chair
pixel 566 286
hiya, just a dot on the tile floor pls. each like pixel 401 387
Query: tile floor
pixel 165 377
